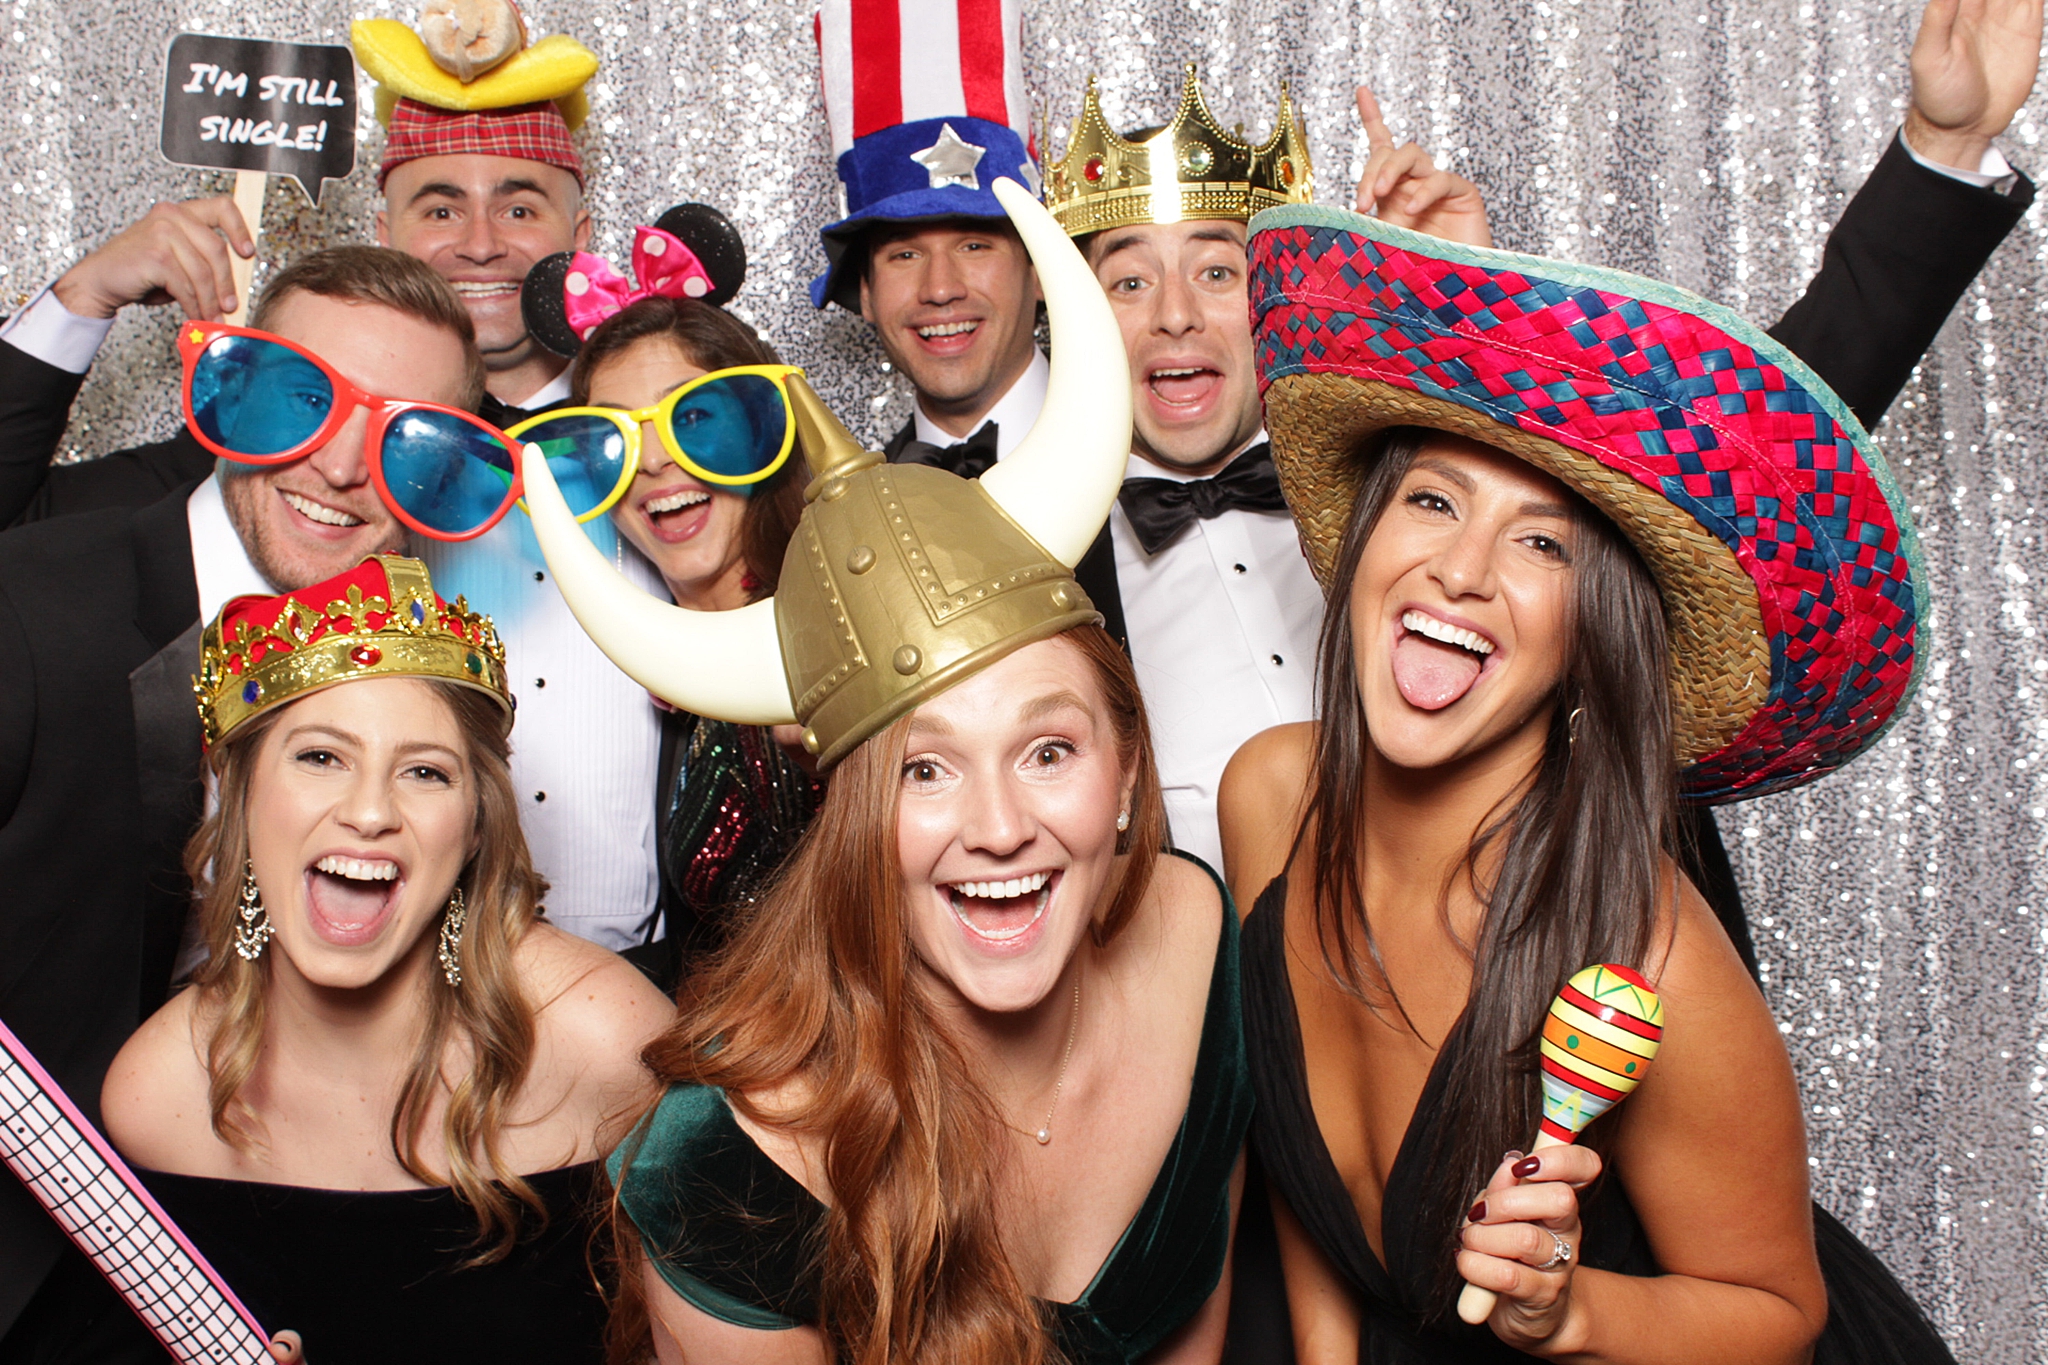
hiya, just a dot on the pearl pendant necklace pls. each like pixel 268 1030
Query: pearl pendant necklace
pixel 1044 1133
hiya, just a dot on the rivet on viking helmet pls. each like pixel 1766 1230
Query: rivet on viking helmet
pixel 907 660
pixel 860 559
pixel 1061 598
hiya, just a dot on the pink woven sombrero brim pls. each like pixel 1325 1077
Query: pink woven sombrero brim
pixel 1790 571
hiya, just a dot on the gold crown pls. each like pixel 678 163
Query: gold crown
pixel 382 618
pixel 1191 168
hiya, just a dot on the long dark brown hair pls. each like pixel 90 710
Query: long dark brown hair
pixel 489 1012
pixel 711 339
pixel 1567 871
pixel 819 987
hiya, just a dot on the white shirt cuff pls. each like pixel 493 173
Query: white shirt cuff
pixel 1994 172
pixel 55 335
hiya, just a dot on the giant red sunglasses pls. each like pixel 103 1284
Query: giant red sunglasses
pixel 258 399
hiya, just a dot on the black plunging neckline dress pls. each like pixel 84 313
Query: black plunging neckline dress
pixel 1870 1320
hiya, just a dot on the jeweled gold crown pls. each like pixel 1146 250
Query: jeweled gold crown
pixel 1191 168
pixel 381 618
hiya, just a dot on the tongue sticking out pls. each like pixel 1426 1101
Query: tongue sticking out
pixel 1431 674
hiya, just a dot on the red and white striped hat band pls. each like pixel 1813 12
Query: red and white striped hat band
pixel 888 62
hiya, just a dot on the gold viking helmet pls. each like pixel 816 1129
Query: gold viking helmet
pixel 1191 168
pixel 901 579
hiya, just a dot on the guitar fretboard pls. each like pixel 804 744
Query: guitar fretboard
pixel 96 1199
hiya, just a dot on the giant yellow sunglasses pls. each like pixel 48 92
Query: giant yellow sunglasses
pixel 730 428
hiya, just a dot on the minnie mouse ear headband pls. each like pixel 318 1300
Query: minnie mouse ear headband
pixel 1792 578
pixel 692 252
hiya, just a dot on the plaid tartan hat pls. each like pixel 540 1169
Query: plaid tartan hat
pixel 531 132
pixel 1792 578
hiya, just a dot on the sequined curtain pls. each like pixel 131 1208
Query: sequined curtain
pixel 1900 908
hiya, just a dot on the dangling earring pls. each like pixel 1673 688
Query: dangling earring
pixel 1123 821
pixel 451 938
pixel 1123 831
pixel 1571 729
pixel 252 925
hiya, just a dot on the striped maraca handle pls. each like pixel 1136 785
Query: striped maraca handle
pixel 1603 1030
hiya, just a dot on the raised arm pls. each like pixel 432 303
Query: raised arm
pixel 1913 238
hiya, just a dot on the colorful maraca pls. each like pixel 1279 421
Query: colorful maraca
pixel 1602 1033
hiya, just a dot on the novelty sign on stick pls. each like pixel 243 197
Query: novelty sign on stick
pixel 259 108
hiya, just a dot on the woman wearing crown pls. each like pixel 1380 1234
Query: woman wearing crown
pixel 680 430
pixel 968 1083
pixel 1589 541
pixel 378 1106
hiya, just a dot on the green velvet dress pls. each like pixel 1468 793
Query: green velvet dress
pixel 733 1233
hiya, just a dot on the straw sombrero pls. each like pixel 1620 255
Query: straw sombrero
pixel 1791 573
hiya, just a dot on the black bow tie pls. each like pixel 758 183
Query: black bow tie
pixel 970 459
pixel 1161 509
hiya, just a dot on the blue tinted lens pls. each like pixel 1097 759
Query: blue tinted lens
pixel 255 397
pixel 733 426
pixel 448 474
pixel 586 455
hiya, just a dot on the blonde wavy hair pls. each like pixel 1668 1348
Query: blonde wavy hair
pixel 488 1011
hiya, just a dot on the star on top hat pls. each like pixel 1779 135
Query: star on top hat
pixel 927 108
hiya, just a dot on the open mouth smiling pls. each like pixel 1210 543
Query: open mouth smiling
pixel 350 899
pixel 1002 911
pixel 1182 385
pixel 319 512
pixel 1437 662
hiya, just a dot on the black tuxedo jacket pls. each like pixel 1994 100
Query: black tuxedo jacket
pixel 99 790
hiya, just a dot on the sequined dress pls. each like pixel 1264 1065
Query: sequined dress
pixel 733 805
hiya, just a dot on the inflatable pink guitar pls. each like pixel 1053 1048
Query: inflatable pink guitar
pixel 75 1174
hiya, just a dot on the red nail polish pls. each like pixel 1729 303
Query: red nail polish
pixel 1477 1213
pixel 1527 1167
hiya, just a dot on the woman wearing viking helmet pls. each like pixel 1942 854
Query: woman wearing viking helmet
pixel 680 429
pixel 1589 541
pixel 378 1107
pixel 968 1084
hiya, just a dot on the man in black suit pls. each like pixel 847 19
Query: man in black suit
pixel 100 615
pixel 481 220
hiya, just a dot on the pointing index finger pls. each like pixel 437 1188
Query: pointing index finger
pixel 1377 137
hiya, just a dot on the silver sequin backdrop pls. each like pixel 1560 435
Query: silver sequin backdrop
pixel 1901 907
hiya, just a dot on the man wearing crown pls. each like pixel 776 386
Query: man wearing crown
pixel 481 181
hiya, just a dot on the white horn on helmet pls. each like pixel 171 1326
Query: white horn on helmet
pixel 723 664
pixel 1060 482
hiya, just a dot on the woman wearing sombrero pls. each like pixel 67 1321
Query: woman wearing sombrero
pixel 1590 543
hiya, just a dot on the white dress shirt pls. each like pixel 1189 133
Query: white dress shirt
pixel 587 740
pixel 1014 413
pixel 1223 623
pixel 220 564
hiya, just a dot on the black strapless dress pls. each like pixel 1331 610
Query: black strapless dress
pixel 1871 1319
pixel 370 1277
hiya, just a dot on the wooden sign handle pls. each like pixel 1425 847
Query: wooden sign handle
pixel 249 187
